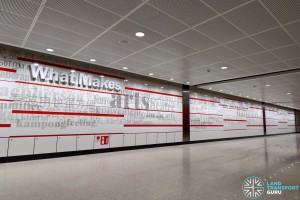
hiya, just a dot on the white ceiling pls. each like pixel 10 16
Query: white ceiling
pixel 186 40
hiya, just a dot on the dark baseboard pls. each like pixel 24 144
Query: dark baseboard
pixel 95 151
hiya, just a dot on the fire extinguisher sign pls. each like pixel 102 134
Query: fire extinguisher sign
pixel 103 139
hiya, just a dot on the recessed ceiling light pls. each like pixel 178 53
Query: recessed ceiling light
pixel 210 88
pixel 161 87
pixel 187 82
pixel 139 34
pixel 126 80
pixel 247 96
pixel 146 84
pixel 50 50
pixel 288 93
pixel 254 98
pixel 36 64
pixel 101 76
pixel 151 74
pixel 171 79
pixel 125 67
pixel 72 71
pixel 93 60
pixel 267 85
pixel 221 90
pixel 224 67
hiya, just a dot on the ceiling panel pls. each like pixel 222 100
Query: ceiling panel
pixel 145 59
pixel 294 30
pixel 252 18
pixel 100 55
pixel 116 38
pixel 159 54
pixel 263 58
pixel 220 30
pixel 277 66
pixel 15 20
pixel 87 59
pixel 188 64
pixel 294 63
pixel 175 47
pixel 10 40
pixel 66 22
pixel 195 40
pixel 12 31
pixel 129 29
pixel 284 11
pixel 190 12
pixel 53 43
pixel 84 11
pixel 224 5
pixel 245 46
pixel 59 33
pixel 214 55
pixel 157 21
pixel 288 52
pixel 114 48
pixel 24 8
pixel 119 7
pixel 240 63
pixel 274 38
pixel 42 47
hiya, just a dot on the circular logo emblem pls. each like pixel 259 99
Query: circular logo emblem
pixel 253 187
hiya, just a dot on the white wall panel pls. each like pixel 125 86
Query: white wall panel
pixel 3 147
pixel 129 139
pixel 66 143
pixel 21 146
pixel 161 138
pixel 280 120
pixel 45 145
pixel 116 140
pixel 151 138
pixel 85 142
pixel 170 137
pixel 178 137
pixel 141 139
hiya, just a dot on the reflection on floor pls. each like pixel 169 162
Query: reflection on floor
pixel 213 170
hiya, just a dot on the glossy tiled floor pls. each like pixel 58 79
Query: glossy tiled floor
pixel 199 171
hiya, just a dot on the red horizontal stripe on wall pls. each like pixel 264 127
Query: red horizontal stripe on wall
pixel 55 135
pixel 272 125
pixel 67 67
pixel 205 114
pixel 255 108
pixel 7 100
pixel 206 125
pixel 235 129
pixel 5 125
pixel 152 125
pixel 7 70
pixel 254 125
pixel 153 92
pixel 69 88
pixel 205 100
pixel 271 110
pixel 235 120
pixel 34 112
